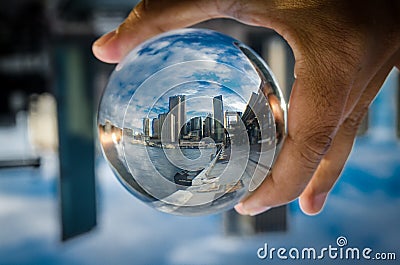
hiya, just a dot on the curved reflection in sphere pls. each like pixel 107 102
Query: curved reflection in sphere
pixel 191 121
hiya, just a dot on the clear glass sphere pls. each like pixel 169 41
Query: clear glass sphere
pixel 191 121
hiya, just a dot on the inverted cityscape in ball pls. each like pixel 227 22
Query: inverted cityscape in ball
pixel 191 121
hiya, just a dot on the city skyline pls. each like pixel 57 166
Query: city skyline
pixel 220 125
pixel 256 121
pixel 198 98
pixel 174 125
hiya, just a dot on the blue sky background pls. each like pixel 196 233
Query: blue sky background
pixel 364 206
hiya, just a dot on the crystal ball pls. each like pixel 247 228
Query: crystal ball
pixel 191 121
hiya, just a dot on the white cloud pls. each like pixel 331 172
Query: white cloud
pixel 210 250
pixel 27 218
pixel 375 158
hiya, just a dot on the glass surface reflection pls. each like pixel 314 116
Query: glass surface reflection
pixel 191 121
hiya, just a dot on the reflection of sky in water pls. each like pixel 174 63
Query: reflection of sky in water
pixel 364 207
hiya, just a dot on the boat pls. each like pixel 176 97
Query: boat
pixel 185 177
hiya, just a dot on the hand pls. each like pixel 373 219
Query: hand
pixel 343 49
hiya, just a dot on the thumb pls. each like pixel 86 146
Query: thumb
pixel 148 19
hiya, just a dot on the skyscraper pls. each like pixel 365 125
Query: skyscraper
pixel 161 119
pixel 146 126
pixel 177 107
pixel 218 119
pixel 196 128
pixel 167 128
pixel 232 118
pixel 155 127
pixel 208 128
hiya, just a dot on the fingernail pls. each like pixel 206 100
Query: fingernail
pixel 257 211
pixel 103 39
pixel 239 208
pixel 318 201
pixel 252 212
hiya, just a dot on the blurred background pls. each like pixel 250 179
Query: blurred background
pixel 61 204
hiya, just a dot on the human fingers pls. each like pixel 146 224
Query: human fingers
pixel 366 85
pixel 313 119
pixel 314 196
pixel 281 186
pixel 150 18
pixel 312 149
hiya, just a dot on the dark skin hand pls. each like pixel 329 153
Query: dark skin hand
pixel 344 51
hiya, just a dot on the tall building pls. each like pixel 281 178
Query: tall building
pixel 196 128
pixel 166 127
pixel 218 119
pixel 155 128
pixel 232 119
pixel 187 128
pixel 146 126
pixel 234 126
pixel 208 126
pixel 177 107
pixel 274 220
pixel 259 119
pixel 161 119
pixel 195 124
